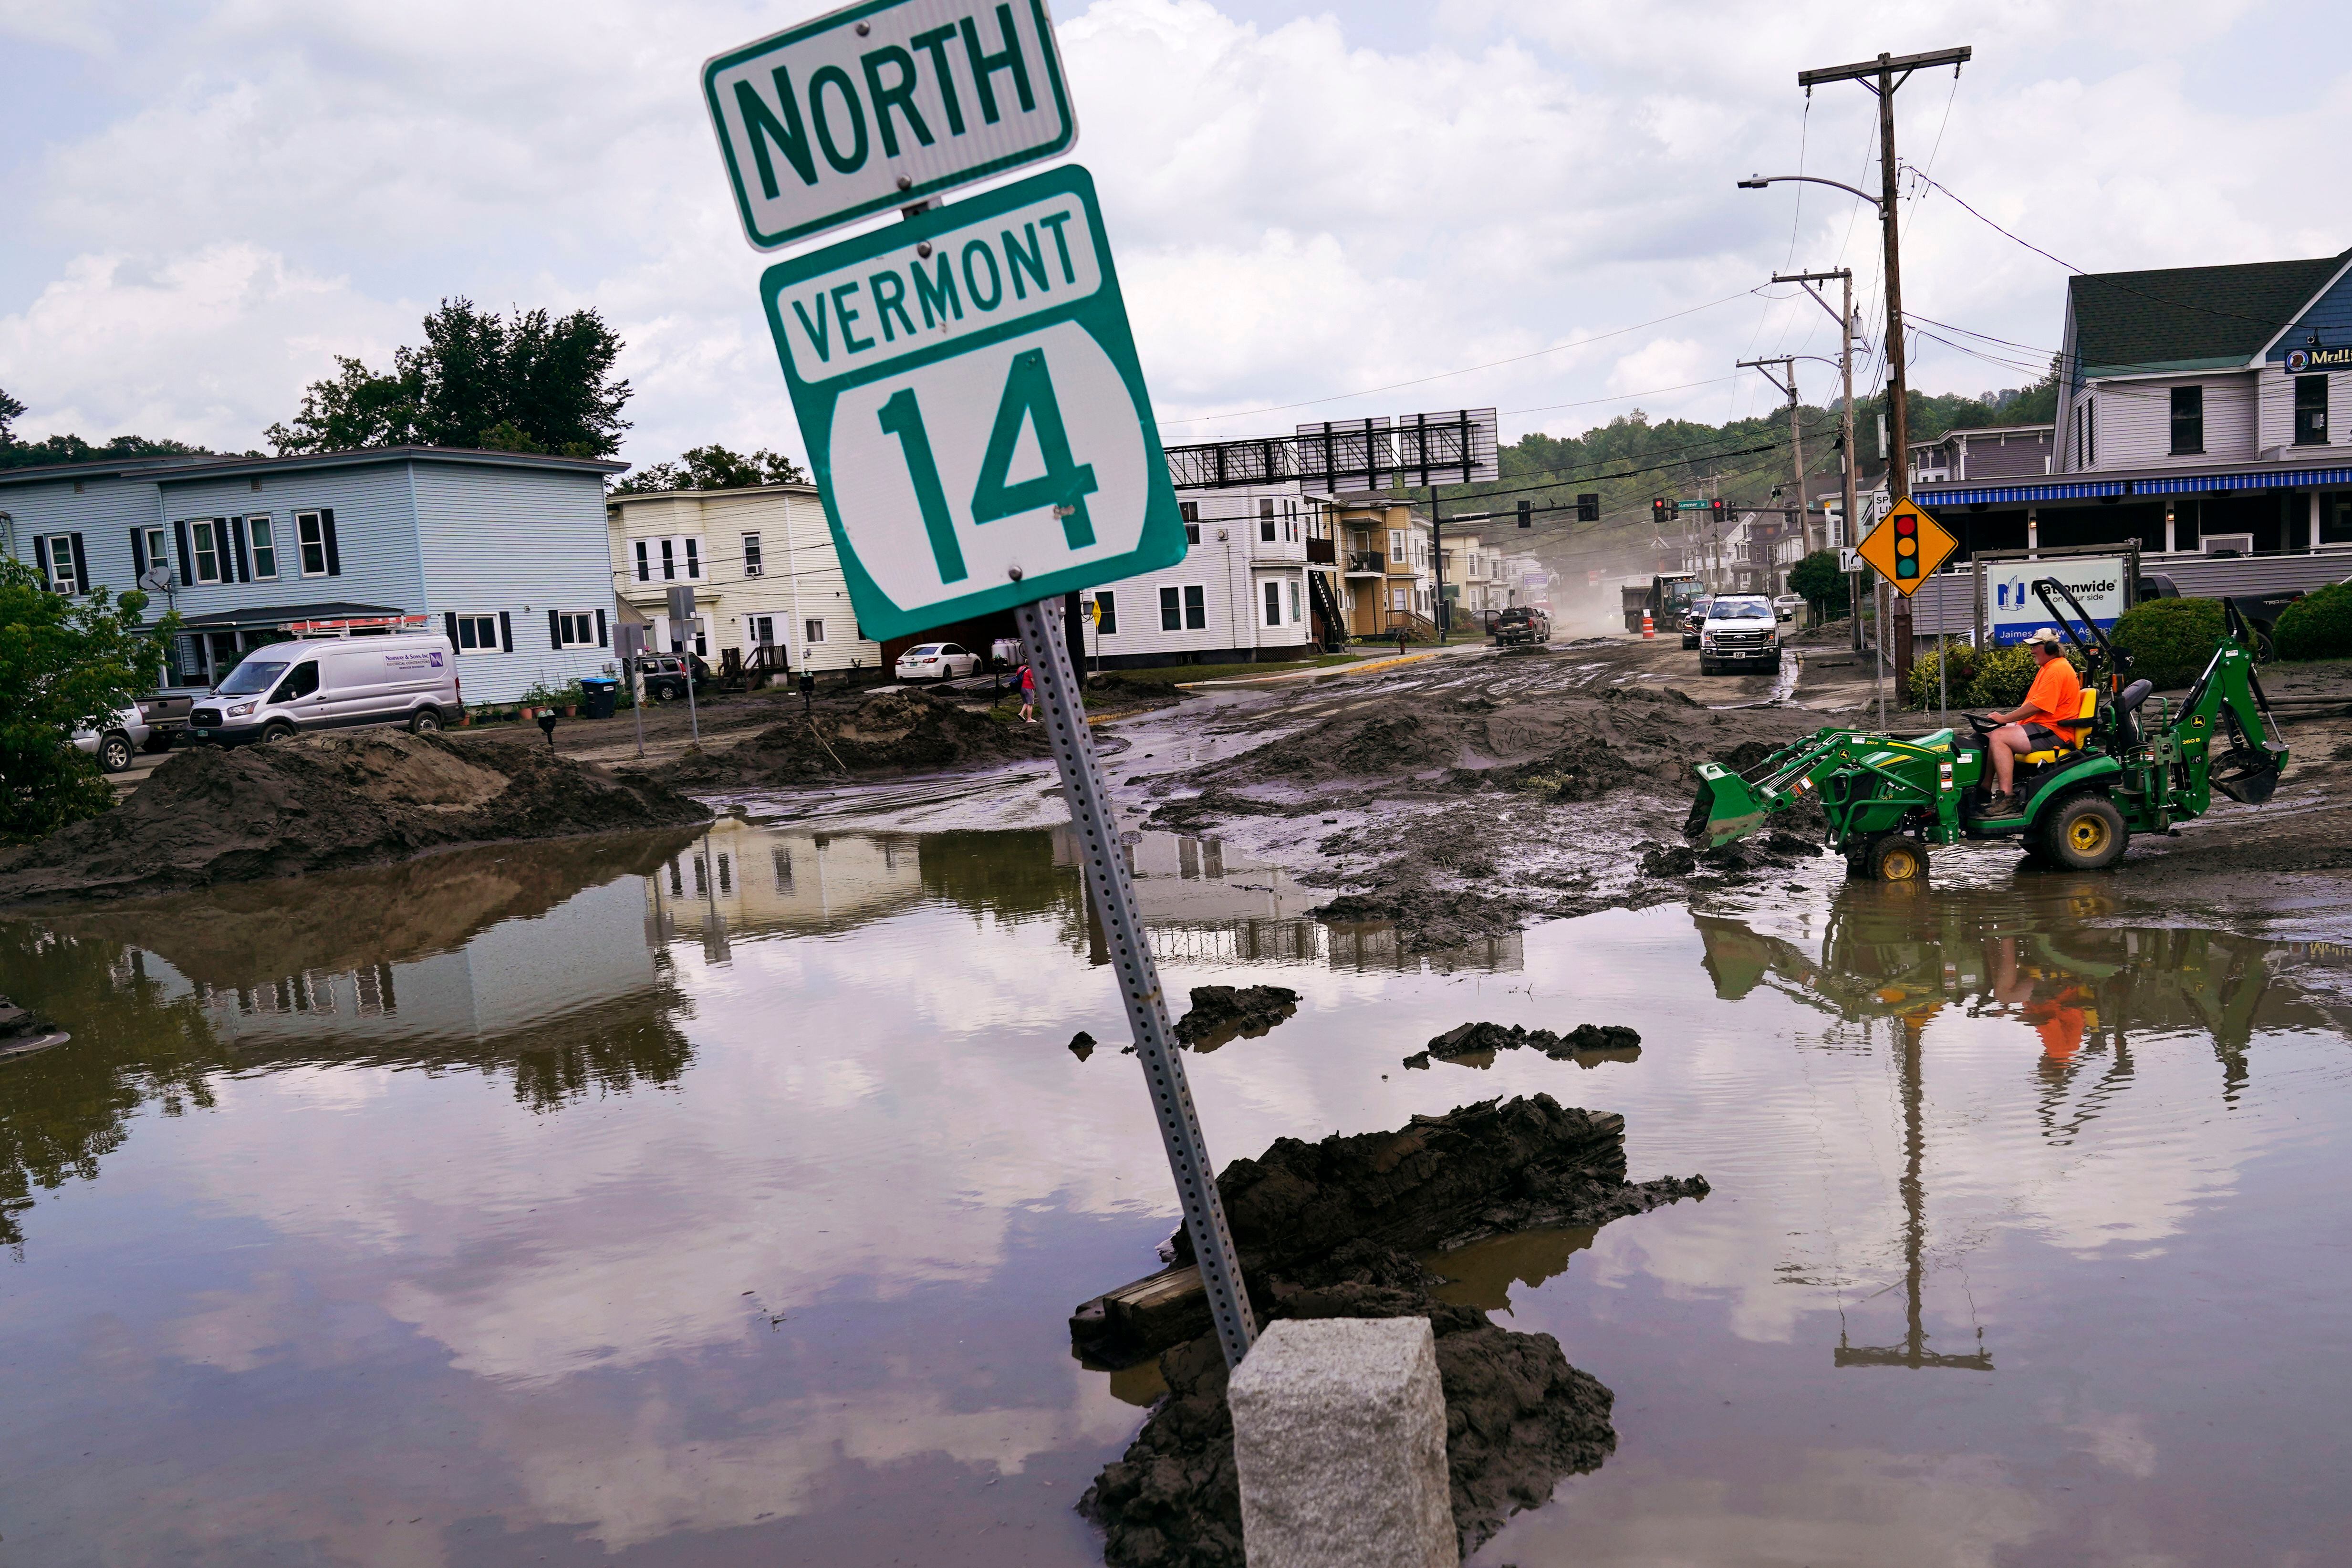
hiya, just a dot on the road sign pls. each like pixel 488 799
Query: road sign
pixel 880 105
pixel 1849 562
pixel 975 416
pixel 2100 583
pixel 1906 548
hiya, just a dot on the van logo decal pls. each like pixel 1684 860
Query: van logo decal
pixel 426 661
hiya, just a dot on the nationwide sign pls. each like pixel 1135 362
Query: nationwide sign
pixel 882 105
pixel 973 408
pixel 2012 610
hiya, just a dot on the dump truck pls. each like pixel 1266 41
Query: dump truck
pixel 2143 765
pixel 1666 597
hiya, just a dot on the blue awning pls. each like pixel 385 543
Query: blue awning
pixel 2176 484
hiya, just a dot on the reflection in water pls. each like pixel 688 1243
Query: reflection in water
pixel 720 1196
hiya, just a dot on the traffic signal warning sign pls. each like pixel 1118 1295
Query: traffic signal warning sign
pixel 1906 547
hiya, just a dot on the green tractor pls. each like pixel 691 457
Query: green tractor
pixel 1888 800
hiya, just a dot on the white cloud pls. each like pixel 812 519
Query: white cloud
pixel 1297 213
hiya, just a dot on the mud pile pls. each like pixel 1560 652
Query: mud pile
pixel 1220 1013
pixel 325 801
pixel 893 731
pixel 1328 1229
pixel 1586 1043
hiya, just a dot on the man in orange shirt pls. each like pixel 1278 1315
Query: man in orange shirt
pixel 2050 718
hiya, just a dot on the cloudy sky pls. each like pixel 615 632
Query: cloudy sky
pixel 1317 210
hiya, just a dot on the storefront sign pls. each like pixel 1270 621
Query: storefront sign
pixel 2102 583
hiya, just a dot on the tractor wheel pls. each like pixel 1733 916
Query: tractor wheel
pixel 1895 858
pixel 2082 832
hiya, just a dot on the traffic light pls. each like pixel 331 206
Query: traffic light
pixel 1906 547
pixel 1526 514
pixel 1662 511
pixel 1714 511
pixel 1588 508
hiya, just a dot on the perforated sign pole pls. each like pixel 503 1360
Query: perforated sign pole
pixel 1046 647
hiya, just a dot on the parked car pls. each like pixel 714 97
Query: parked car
pixel 1787 605
pixel 1522 623
pixel 934 661
pixel 117 738
pixel 1739 634
pixel 667 675
pixel 1694 618
pixel 332 682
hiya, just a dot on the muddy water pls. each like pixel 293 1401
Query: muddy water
pixel 719 1200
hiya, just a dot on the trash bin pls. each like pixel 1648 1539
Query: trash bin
pixel 603 696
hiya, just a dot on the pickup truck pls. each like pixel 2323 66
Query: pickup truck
pixel 1522 623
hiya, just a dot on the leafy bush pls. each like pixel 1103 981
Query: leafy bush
pixel 1817 580
pixel 62 661
pixel 2318 626
pixel 2170 640
pixel 1963 659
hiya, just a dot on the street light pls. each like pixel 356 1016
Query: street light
pixel 1757 182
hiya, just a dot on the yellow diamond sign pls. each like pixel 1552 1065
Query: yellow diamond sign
pixel 1906 547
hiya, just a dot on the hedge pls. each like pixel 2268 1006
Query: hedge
pixel 2317 626
pixel 2170 640
pixel 1994 679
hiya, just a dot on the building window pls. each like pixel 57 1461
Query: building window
pixel 575 629
pixel 693 557
pixel 811 630
pixel 2311 411
pixel 1293 590
pixel 1106 613
pixel 1190 512
pixel 1172 613
pixel 1266 520
pixel 1396 544
pixel 158 551
pixel 750 555
pixel 2334 521
pixel 1196 607
pixel 1272 600
pixel 2188 420
pixel 1396 599
pixel 669 560
pixel 478 634
pixel 206 546
pixel 644 566
pixel 265 547
pixel 310 539
pixel 63 577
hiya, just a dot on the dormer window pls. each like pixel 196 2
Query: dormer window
pixel 2188 420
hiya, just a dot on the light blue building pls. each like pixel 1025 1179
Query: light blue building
pixel 505 552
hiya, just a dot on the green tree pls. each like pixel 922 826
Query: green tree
pixel 526 382
pixel 1818 581
pixel 713 467
pixel 61 661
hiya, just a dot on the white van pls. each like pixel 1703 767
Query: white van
pixel 332 682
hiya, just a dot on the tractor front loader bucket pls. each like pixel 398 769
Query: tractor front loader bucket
pixel 1726 808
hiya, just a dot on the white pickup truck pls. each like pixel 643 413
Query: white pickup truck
pixel 1742 632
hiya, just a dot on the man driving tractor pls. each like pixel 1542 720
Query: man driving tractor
pixel 2050 720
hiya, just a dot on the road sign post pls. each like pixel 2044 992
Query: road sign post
pixel 979 431
pixel 682 625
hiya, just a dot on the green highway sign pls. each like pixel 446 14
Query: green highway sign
pixel 883 104
pixel 975 416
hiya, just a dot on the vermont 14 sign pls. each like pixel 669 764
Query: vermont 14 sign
pixel 881 105
pixel 973 409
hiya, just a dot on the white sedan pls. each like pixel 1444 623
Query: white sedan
pixel 934 661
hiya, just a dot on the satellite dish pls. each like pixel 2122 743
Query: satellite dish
pixel 156 580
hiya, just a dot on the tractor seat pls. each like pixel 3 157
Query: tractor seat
pixel 2089 710
pixel 2127 712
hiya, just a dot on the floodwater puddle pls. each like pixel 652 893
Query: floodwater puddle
pixel 721 1195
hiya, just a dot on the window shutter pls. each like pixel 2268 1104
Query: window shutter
pixel 449 622
pixel 41 560
pixel 236 549
pixel 81 567
pixel 603 635
pixel 554 632
pixel 327 534
pixel 187 560
pixel 138 554
pixel 506 633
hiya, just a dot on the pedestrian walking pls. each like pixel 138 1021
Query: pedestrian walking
pixel 1028 694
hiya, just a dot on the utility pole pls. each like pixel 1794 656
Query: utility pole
pixel 1787 363
pixel 1805 280
pixel 1884 76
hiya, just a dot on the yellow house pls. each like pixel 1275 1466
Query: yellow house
pixel 1386 569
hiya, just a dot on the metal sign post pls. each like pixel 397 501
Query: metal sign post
pixel 1044 644
pixel 683 621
